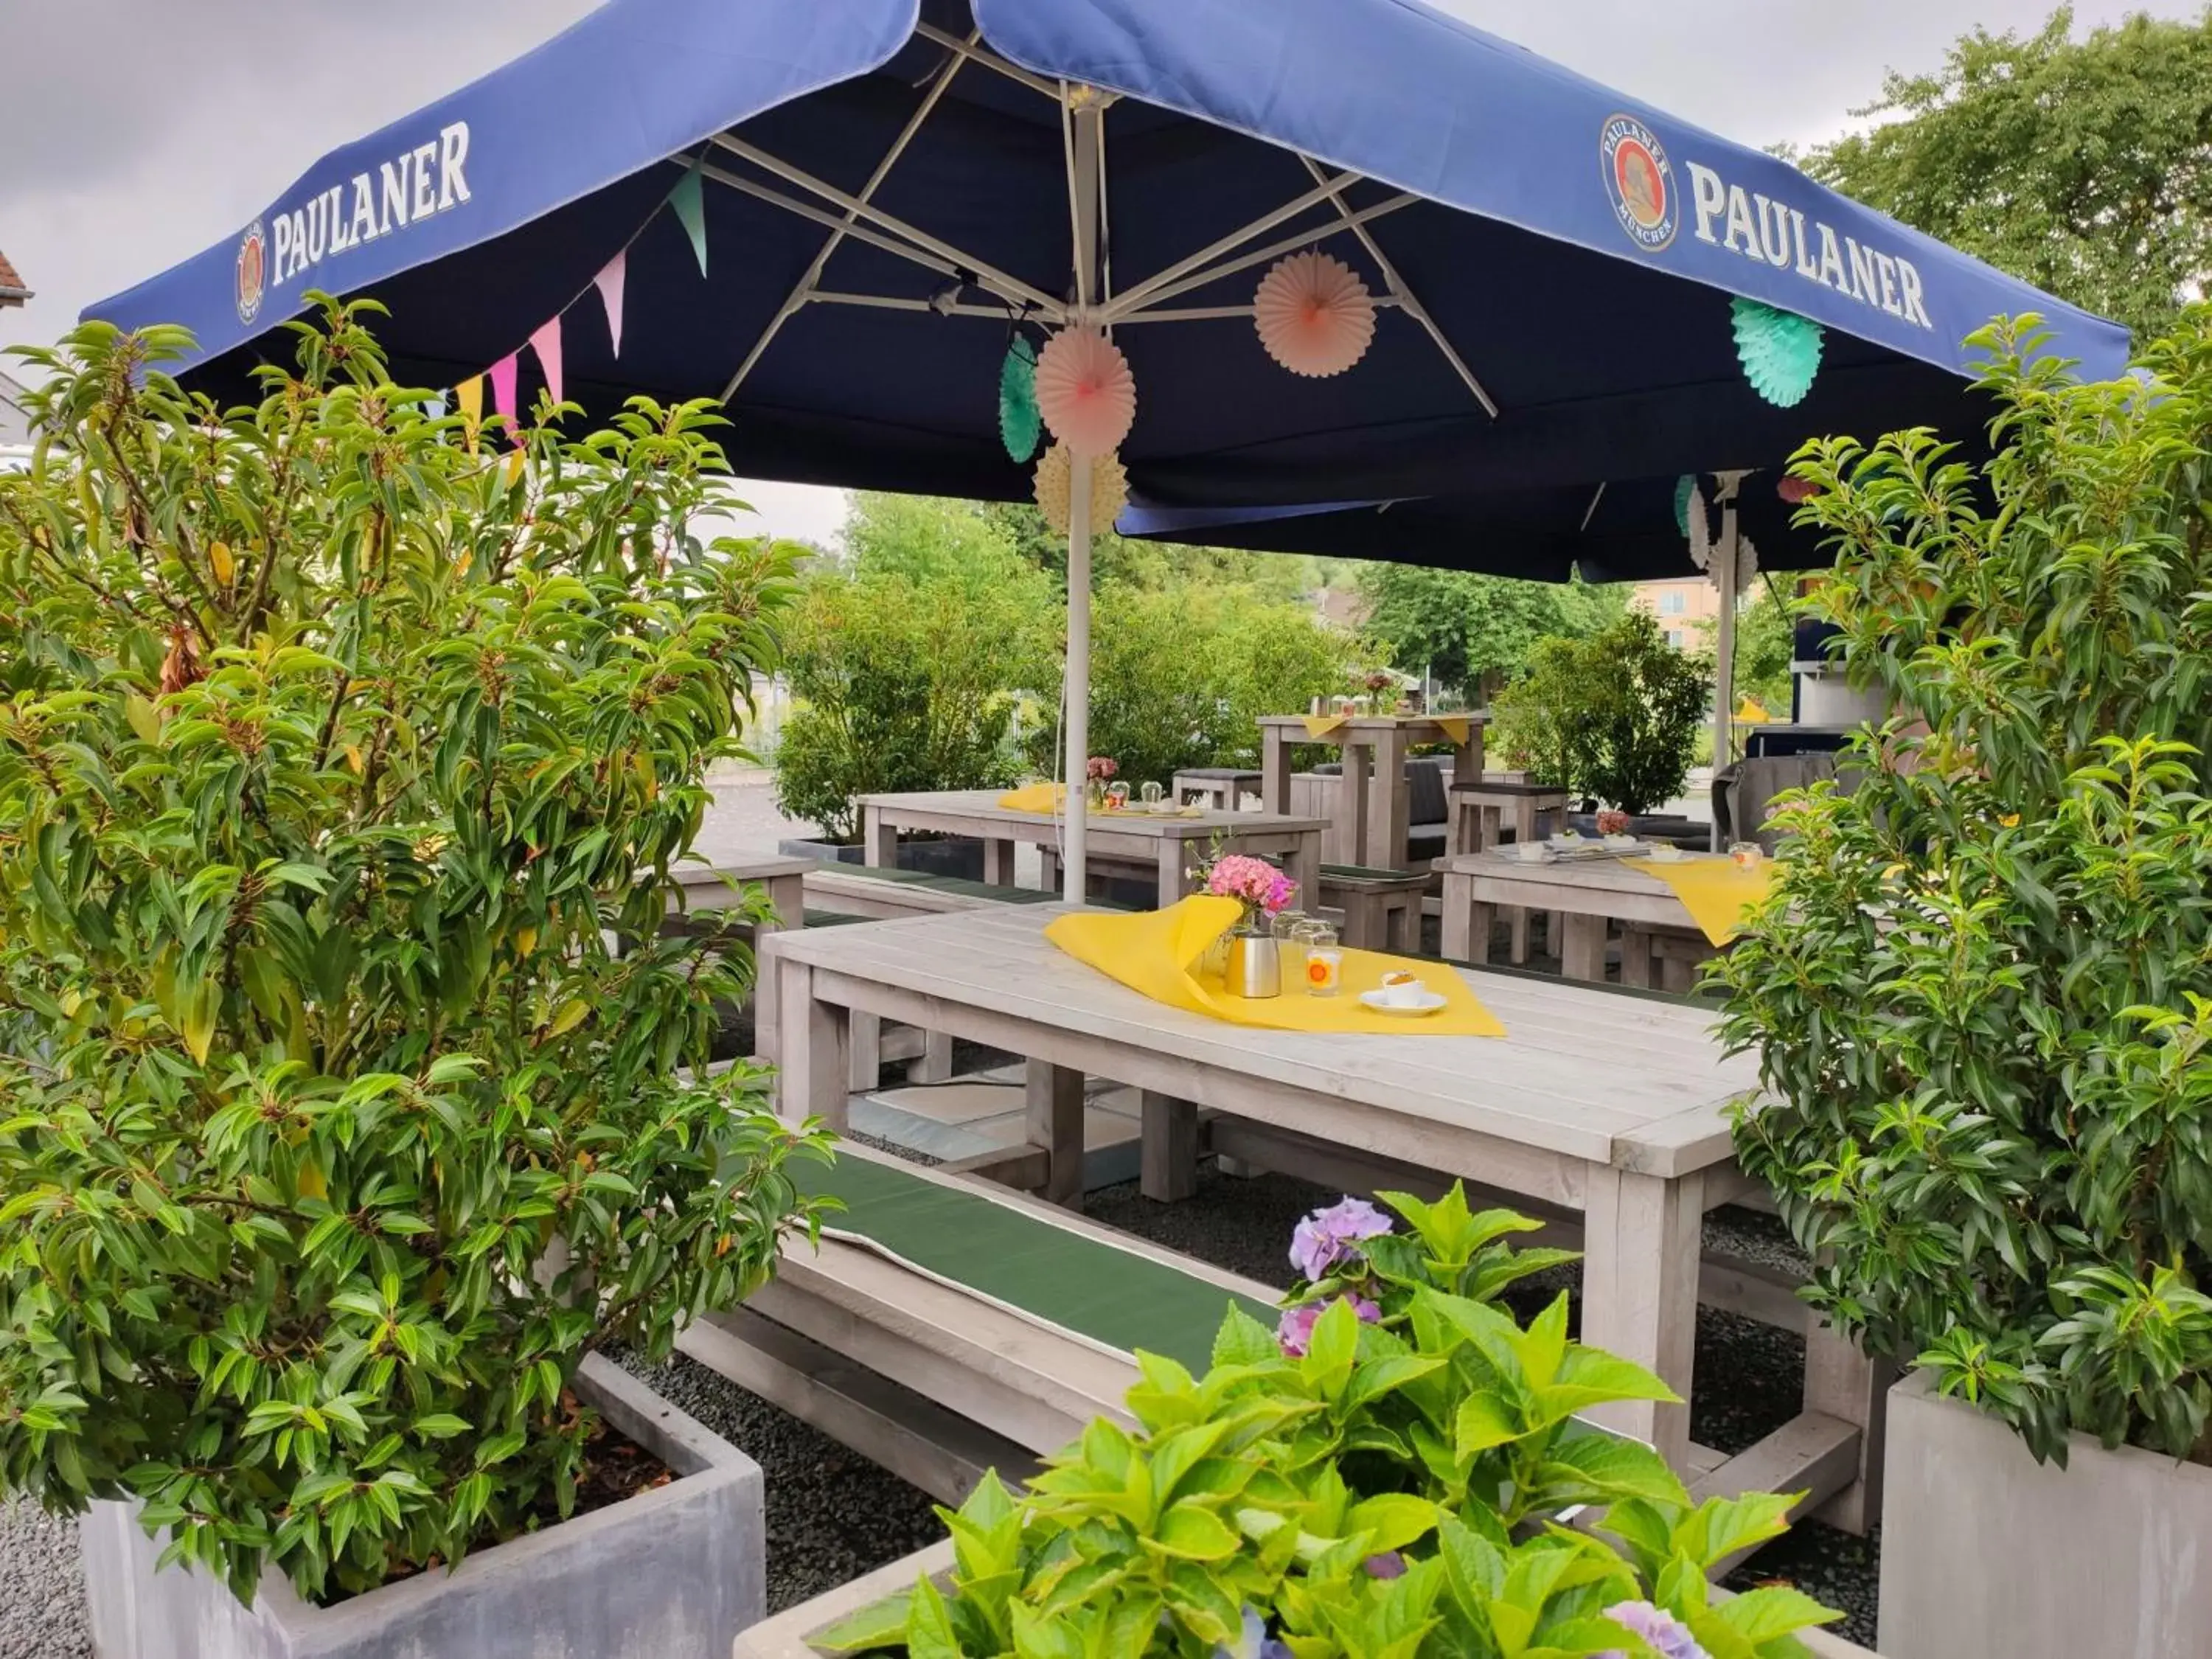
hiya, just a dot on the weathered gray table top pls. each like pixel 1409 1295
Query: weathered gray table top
pixel 978 812
pixel 1592 1075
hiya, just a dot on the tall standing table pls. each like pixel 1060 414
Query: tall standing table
pixel 1373 809
pixel 1151 840
pixel 1608 1108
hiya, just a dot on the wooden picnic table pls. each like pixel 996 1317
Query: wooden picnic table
pixel 1597 1106
pixel 1373 810
pixel 1145 840
pixel 1589 893
pixel 705 889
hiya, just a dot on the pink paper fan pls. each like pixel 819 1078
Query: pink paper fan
pixel 1313 314
pixel 1085 391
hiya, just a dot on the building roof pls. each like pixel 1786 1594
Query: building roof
pixel 12 291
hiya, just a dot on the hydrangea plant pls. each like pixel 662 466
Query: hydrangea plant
pixel 1398 1490
pixel 344 756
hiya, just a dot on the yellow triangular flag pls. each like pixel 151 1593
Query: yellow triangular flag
pixel 468 394
pixel 1754 713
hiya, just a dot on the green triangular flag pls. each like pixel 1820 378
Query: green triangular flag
pixel 689 202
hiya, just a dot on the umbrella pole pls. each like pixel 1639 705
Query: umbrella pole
pixel 1074 848
pixel 1725 560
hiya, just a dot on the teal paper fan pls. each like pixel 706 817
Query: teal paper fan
pixel 1684 487
pixel 1780 351
pixel 1020 426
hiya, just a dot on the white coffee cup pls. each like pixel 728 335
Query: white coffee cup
pixel 1532 851
pixel 1409 993
pixel 1665 852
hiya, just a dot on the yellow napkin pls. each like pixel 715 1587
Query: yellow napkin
pixel 1716 891
pixel 1157 953
pixel 1320 726
pixel 1452 726
pixel 1047 798
pixel 1754 713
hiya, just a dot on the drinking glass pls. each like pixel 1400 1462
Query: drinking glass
pixel 1151 794
pixel 1747 854
pixel 1117 797
pixel 1324 959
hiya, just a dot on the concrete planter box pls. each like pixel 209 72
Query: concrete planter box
pixel 960 857
pixel 675 1572
pixel 787 1635
pixel 1984 1550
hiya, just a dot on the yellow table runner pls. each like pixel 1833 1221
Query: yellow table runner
pixel 1715 892
pixel 1320 726
pixel 1157 954
pixel 1454 727
pixel 1047 798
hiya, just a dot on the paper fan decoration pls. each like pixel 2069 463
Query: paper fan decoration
pixel 1780 351
pixel 1110 489
pixel 1796 491
pixel 1019 423
pixel 1684 487
pixel 1313 314
pixel 1085 391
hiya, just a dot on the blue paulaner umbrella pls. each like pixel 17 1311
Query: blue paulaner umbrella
pixel 834 215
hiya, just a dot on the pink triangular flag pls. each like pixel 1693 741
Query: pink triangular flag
pixel 502 386
pixel 546 342
pixel 609 281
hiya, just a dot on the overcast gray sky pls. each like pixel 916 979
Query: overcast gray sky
pixel 133 133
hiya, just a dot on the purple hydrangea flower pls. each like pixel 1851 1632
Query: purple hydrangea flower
pixel 1252 1642
pixel 1388 1565
pixel 1294 1330
pixel 1324 1238
pixel 1668 1636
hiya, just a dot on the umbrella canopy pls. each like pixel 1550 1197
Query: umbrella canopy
pixel 831 213
pixel 1630 530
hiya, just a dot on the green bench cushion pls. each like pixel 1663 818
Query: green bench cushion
pixel 1349 873
pixel 945 883
pixel 1116 1296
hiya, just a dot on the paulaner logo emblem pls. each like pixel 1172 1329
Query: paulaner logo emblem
pixel 1640 180
pixel 253 271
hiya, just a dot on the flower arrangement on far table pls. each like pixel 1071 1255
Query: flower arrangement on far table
pixel 1612 821
pixel 1099 771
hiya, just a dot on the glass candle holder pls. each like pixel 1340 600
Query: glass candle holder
pixel 1324 959
pixel 1117 797
pixel 1747 854
pixel 1151 794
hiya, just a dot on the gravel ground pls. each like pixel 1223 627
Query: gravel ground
pixel 41 1590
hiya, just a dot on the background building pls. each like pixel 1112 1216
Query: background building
pixel 1679 606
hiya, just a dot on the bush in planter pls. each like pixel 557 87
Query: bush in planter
pixel 1613 717
pixel 904 683
pixel 334 751
pixel 1383 1478
pixel 1979 991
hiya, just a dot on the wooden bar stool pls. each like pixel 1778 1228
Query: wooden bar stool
pixel 1382 908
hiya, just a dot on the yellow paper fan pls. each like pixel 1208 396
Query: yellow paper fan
pixel 1110 489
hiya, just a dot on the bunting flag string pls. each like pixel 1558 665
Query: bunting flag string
pixel 546 342
pixel 610 282
pixel 503 385
pixel 689 201
pixel 468 395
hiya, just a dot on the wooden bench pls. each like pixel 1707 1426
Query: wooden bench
pixel 934 1376
pixel 1216 787
pixel 1661 957
pixel 1382 908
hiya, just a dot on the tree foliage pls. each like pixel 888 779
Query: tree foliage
pixel 1981 992
pixel 1613 717
pixel 1473 632
pixel 2084 167
pixel 334 751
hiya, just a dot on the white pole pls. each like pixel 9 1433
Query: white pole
pixel 1725 558
pixel 1083 202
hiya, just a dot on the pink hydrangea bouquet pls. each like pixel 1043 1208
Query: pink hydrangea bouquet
pixel 1102 768
pixel 1612 821
pixel 1261 888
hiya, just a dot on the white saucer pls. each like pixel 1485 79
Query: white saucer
pixel 1429 1004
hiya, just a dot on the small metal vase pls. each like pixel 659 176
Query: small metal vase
pixel 1255 963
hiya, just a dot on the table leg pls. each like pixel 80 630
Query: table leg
pixel 1581 952
pixel 1466 922
pixel 1642 1238
pixel 864 1052
pixel 810 1082
pixel 1174 872
pixel 878 840
pixel 1524 819
pixel 1390 817
pixel 1052 1098
pixel 1493 827
pixel 1354 813
pixel 1517 934
pixel 1275 768
pixel 998 861
pixel 788 895
pixel 1302 863
pixel 1843 1381
pixel 1635 958
pixel 1169 1149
